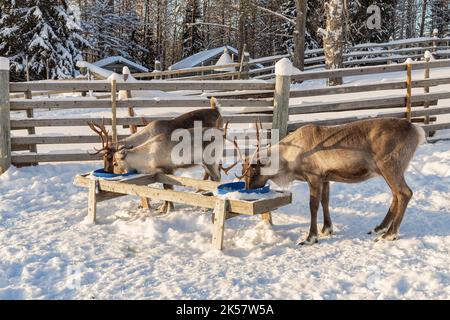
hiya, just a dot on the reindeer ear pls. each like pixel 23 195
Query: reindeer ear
pixel 123 153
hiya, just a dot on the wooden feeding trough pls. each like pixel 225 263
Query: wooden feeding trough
pixel 137 185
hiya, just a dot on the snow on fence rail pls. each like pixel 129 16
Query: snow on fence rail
pixel 231 94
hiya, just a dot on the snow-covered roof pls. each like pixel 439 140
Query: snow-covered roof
pixel 197 59
pixel 119 59
pixel 225 59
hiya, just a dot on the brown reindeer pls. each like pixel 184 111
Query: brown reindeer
pixel 208 117
pixel 155 155
pixel 349 153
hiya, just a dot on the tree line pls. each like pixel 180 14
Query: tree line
pixel 42 33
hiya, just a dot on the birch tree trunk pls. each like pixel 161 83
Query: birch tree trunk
pixel 333 38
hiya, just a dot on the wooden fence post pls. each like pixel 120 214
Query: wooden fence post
pixel 32 130
pixel 244 68
pixel 283 72
pixel 126 74
pixel 426 89
pixel 408 88
pixel 390 47
pixel 5 125
pixel 435 40
pixel 157 68
pixel 114 110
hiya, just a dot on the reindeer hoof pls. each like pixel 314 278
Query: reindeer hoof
pixel 309 241
pixel 386 237
pixel 326 231
pixel 377 230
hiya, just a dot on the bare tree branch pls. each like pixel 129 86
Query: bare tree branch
pixel 282 16
pixel 210 24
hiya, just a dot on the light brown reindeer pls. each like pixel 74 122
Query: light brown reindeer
pixel 349 153
pixel 157 155
pixel 208 117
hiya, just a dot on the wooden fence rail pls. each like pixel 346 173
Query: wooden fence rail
pixel 359 55
pixel 268 102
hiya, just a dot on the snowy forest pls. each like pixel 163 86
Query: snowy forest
pixel 50 35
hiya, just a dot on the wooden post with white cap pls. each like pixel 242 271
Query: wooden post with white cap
pixel 5 126
pixel 408 63
pixel 283 72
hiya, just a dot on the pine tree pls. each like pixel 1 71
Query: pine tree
pixel 362 28
pixel 113 29
pixel 312 41
pixel 192 35
pixel 440 12
pixel 42 32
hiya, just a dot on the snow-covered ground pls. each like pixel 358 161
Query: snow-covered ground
pixel 48 251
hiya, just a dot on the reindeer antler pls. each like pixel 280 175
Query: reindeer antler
pixel 103 133
pixel 236 162
pixel 248 163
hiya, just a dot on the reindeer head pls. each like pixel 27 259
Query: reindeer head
pixel 251 167
pixel 107 151
pixel 121 166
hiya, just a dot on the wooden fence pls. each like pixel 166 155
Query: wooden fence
pixel 270 102
pixel 360 55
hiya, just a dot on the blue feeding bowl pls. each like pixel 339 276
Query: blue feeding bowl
pixel 240 186
pixel 100 173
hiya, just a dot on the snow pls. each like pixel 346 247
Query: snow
pixel 118 59
pixel 203 56
pixel 48 251
pixel 408 61
pixel 116 77
pixel 428 55
pixel 126 70
pixel 284 67
pixel 225 59
pixel 103 73
pixel 4 63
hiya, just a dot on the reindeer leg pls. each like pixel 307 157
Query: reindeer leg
pixel 401 196
pixel 327 228
pixel 387 221
pixel 315 190
pixel 404 194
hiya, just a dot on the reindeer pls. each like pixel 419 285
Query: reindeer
pixel 208 117
pixel 155 155
pixel 349 153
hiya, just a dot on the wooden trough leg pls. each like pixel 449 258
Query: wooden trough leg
pixel 267 216
pixel 220 214
pixel 92 201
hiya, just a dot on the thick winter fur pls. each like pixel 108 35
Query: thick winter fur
pixel 209 118
pixel 348 153
pixel 156 156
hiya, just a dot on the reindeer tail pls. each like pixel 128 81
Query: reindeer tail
pixel 213 103
pixel 421 135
